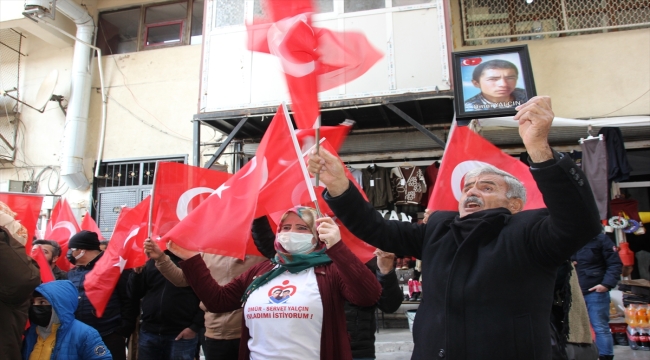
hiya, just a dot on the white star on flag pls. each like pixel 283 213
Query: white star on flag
pixel 121 263
pixel 220 189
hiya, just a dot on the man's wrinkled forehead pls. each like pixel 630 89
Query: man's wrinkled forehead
pixel 493 179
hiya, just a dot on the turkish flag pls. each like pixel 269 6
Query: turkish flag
pixel 221 224
pixel 62 226
pixel 53 215
pixel 312 59
pixel 88 223
pixel 178 189
pixel 44 267
pixel 289 190
pixel 124 251
pixel 335 135
pixel 466 151
pixel 27 208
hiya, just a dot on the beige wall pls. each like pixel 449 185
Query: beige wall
pixel 588 75
pixel 152 98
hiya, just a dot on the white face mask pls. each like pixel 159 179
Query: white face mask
pixel 296 243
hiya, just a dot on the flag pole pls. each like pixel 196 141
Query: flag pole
pixel 301 160
pixel 153 191
pixel 317 175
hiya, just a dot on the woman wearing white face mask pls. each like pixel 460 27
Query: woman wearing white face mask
pixel 293 304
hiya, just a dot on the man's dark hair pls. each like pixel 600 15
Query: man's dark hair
pixel 492 64
pixel 103 242
pixel 55 246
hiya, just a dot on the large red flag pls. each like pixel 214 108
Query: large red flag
pixel 221 224
pixel 289 189
pixel 27 208
pixel 44 267
pixel 88 223
pixel 178 190
pixel 312 59
pixel 124 251
pixel 466 151
pixel 63 226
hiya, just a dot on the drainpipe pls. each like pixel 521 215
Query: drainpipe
pixel 76 120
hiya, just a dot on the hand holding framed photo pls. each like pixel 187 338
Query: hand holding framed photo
pixel 492 82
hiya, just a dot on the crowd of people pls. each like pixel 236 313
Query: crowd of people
pixel 490 265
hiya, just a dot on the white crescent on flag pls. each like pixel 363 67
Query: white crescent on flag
pixel 184 200
pixel 459 173
pixel 299 190
pixel 66 225
pixel 121 262
pixel 276 36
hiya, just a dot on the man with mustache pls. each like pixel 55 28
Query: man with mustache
pixel 52 252
pixel 489 269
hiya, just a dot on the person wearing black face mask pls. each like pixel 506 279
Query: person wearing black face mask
pixel 121 312
pixel 54 333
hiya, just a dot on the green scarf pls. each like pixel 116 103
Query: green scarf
pixel 291 263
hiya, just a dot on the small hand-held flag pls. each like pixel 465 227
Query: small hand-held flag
pixel 124 251
pixel 63 225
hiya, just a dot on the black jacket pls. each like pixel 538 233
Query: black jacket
pixel 59 274
pixel 486 295
pixel 361 321
pixel 619 167
pixel 597 263
pixel 166 309
pixel 121 311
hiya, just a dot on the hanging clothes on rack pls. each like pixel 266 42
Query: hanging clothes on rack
pixel 594 165
pixel 408 185
pixel 376 184
pixel 430 176
pixel 358 176
pixel 619 167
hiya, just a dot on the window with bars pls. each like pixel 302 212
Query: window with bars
pixel 498 21
pixel 132 173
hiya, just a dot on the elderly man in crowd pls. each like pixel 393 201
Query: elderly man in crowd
pixel 488 269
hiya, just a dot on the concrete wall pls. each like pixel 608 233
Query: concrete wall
pixel 152 97
pixel 598 75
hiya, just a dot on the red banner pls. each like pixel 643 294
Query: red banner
pixel 27 208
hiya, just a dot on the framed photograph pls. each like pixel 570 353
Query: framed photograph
pixel 491 82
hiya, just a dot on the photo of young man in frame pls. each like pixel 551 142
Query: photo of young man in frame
pixel 492 82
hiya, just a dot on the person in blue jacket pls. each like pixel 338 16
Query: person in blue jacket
pixel 54 332
pixel 599 268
